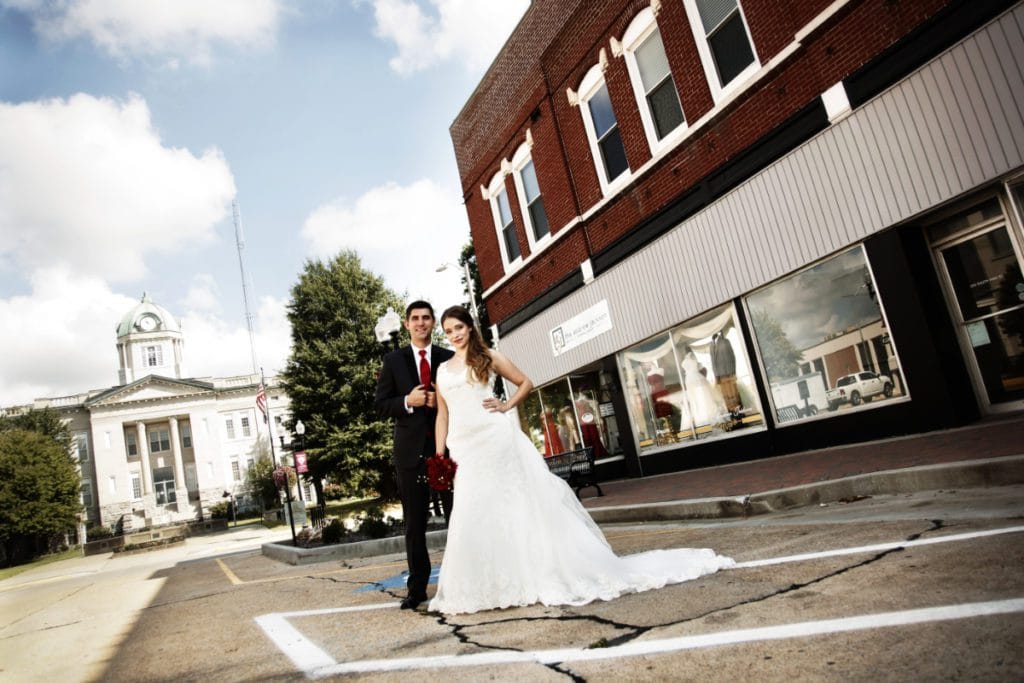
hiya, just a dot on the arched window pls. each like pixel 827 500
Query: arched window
pixel 724 43
pixel 603 130
pixel 653 84
pixel 530 199
pixel 501 211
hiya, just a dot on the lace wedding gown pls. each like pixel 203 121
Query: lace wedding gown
pixel 518 535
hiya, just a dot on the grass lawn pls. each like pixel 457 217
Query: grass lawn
pixel 45 559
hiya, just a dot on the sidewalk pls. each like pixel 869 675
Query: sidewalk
pixel 950 458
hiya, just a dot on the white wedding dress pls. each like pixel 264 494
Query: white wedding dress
pixel 518 535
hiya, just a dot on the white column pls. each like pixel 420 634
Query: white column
pixel 179 467
pixel 147 472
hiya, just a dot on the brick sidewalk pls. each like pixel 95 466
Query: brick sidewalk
pixel 986 439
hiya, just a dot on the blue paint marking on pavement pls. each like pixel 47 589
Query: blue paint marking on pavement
pixel 397 581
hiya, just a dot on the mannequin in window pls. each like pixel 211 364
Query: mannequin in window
pixel 723 364
pixel 703 399
pixel 586 408
pixel 660 401
pixel 552 440
pixel 567 429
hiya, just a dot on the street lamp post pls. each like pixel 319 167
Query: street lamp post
pixel 300 431
pixel 388 326
pixel 469 285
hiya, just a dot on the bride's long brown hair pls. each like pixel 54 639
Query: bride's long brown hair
pixel 477 358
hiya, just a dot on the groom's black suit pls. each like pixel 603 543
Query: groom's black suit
pixel 413 443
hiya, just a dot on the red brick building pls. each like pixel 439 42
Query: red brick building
pixel 713 230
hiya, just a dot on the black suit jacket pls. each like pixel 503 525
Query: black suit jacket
pixel 398 377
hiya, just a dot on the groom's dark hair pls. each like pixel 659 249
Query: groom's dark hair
pixel 419 303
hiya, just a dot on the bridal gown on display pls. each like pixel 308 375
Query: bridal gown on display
pixel 518 535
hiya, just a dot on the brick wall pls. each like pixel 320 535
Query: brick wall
pixel 565 168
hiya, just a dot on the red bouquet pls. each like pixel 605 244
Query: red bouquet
pixel 441 472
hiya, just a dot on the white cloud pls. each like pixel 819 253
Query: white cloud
pixel 86 183
pixel 61 338
pixel 403 233
pixel 469 31
pixel 171 29
pixel 202 295
pixel 215 348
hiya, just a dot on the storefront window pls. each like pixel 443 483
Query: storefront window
pixel 823 341
pixel 690 383
pixel 571 413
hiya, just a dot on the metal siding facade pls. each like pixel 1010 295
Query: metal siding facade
pixel 953 125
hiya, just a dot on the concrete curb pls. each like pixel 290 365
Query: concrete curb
pixel 970 474
pixel 289 554
pixel 1003 471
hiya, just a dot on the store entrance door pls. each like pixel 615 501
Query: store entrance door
pixel 981 264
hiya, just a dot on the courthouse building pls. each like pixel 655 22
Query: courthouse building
pixel 162 448
pixel 712 230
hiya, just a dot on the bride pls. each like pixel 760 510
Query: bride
pixel 518 535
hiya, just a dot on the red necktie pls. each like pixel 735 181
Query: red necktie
pixel 424 369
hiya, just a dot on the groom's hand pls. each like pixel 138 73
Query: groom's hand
pixel 419 397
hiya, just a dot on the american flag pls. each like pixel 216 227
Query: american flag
pixel 261 401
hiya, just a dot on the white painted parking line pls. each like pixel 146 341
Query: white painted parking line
pixel 314 662
pixel 878 547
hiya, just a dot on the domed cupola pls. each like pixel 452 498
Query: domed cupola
pixel 149 342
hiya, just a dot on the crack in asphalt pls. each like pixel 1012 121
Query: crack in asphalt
pixel 636 630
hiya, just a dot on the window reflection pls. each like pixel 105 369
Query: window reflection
pixel 690 383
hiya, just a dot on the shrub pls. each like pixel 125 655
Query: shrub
pixel 333 532
pixel 221 510
pixel 333 492
pixel 376 525
pixel 95 532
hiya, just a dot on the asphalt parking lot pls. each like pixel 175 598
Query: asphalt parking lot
pixel 916 586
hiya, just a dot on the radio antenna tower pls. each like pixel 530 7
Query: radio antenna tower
pixel 240 241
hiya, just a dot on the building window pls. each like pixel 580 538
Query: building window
pixel 828 316
pixel 130 443
pixel 723 41
pixel 530 199
pixel 507 226
pixel 229 425
pixel 112 484
pixel 163 486
pixel 691 383
pixel 572 413
pixel 602 129
pixel 159 440
pixel 657 97
pixel 136 486
pixel 87 493
pixel 236 472
pixel 508 241
pixel 82 446
pixel 246 430
pixel 186 435
pixel 154 356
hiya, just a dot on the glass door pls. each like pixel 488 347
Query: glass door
pixel 983 273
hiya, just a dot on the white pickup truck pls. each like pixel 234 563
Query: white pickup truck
pixel 857 388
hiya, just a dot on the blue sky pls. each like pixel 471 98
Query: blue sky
pixel 127 128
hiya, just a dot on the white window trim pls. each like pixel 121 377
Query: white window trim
pixel 643 25
pixel 718 91
pixel 519 160
pixel 494 188
pixel 82 444
pixel 589 86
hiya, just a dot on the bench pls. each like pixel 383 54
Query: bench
pixel 576 467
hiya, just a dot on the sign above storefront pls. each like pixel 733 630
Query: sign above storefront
pixel 581 328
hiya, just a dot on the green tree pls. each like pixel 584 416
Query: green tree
pixel 781 359
pixel 46 421
pixel 468 257
pixel 39 493
pixel 331 374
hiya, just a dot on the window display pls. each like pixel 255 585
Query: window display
pixel 691 382
pixel 823 341
pixel 572 413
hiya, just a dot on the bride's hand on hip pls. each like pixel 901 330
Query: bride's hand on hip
pixel 493 405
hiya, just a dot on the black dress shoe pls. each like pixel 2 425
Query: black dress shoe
pixel 412 601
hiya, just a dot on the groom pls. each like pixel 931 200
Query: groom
pixel 405 391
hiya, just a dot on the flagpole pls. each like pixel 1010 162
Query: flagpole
pixel 273 457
